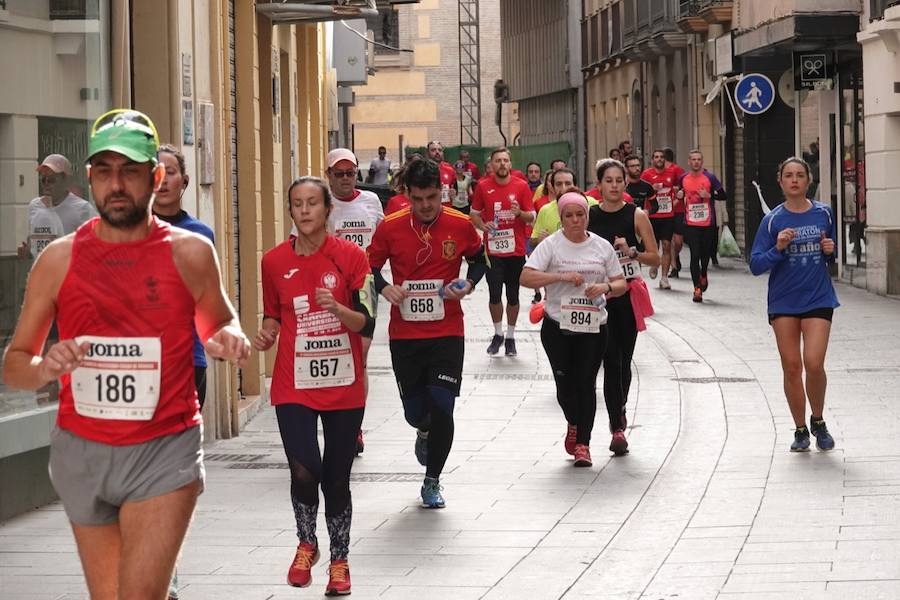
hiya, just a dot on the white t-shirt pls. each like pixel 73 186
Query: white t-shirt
pixel 381 168
pixel 44 227
pixel 355 220
pixel 72 211
pixel 595 259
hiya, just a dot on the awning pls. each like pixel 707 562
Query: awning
pixel 799 32
pixel 314 11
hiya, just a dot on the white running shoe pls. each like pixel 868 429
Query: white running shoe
pixel 664 284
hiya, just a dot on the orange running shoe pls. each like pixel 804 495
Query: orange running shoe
pixel 299 575
pixel 338 578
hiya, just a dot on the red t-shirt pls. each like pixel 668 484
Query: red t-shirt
pixel 448 181
pixel 324 371
pixel 541 203
pixel 519 174
pixel 440 248
pixel 595 194
pixel 679 173
pixel 472 170
pixel 491 196
pixel 131 300
pixel 699 208
pixel 664 193
pixel 396 203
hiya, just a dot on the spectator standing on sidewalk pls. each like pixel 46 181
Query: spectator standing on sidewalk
pixel 795 242
pixel 379 168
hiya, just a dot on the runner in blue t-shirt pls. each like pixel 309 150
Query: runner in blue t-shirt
pixel 796 242
pixel 167 207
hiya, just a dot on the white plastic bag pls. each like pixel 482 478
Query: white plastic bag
pixel 727 244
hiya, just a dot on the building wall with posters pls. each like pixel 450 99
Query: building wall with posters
pixel 246 100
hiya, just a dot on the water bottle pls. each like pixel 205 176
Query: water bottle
pixel 497 207
pixel 600 301
pixel 456 285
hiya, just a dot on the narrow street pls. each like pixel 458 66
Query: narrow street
pixel 709 504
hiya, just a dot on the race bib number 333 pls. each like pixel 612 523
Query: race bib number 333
pixel 118 379
pixel 501 241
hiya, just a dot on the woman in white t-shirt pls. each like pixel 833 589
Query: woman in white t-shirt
pixel 578 270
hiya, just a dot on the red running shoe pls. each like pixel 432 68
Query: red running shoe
pixel 360 443
pixel 299 575
pixel 582 456
pixel 338 578
pixel 618 445
pixel 698 295
pixel 571 433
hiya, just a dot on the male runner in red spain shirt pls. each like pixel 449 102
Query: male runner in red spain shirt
pixel 426 244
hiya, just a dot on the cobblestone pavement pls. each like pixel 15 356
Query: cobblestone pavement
pixel 709 504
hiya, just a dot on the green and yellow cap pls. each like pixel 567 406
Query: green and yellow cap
pixel 129 132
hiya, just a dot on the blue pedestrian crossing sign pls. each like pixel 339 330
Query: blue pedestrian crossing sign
pixel 754 93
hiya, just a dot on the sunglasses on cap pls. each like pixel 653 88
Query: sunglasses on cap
pixel 123 117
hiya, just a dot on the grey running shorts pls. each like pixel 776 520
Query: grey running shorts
pixel 94 480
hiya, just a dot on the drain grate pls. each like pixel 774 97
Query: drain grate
pixel 713 380
pixel 512 376
pixel 354 477
pixel 248 458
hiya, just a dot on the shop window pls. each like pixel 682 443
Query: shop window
pixel 74 9
pixel 386 30
pixel 43 199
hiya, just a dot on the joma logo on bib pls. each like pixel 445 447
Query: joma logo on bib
pixel 346 224
pixel 312 344
pixel 114 350
pixel 420 286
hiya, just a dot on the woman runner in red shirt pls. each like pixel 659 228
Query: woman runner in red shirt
pixel 316 305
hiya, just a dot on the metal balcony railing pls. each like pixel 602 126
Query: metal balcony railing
pixel 688 8
pixel 877 8
pixel 74 9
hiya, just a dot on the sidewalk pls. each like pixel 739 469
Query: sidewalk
pixel 709 504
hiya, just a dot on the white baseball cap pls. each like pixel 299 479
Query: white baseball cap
pixel 339 154
pixel 57 163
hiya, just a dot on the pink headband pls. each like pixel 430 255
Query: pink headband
pixel 570 198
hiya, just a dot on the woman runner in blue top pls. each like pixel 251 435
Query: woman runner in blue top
pixel 796 243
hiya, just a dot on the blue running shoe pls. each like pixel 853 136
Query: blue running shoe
pixel 801 440
pixel 495 344
pixel 431 493
pixel 422 447
pixel 824 441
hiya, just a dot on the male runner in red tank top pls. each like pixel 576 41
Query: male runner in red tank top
pixel 125 290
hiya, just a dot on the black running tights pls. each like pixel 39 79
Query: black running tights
pixel 575 360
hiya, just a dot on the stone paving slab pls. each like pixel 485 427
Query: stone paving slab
pixel 709 504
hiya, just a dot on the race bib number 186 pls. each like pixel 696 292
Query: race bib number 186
pixel 118 379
